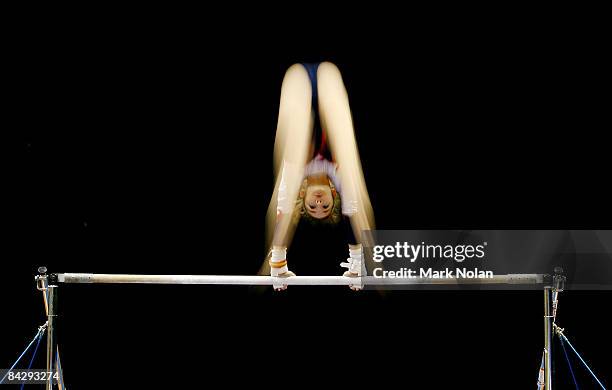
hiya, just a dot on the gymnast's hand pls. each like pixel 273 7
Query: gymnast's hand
pixel 278 267
pixel 354 287
pixel 281 286
pixel 355 267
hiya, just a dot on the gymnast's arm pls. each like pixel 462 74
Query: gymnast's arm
pixel 285 224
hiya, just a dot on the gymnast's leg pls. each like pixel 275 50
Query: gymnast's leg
pixel 336 116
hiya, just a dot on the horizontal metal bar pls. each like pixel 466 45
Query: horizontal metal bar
pixel 294 280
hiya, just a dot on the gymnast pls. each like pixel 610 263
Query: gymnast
pixel 317 168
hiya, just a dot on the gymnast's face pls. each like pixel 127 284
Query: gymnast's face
pixel 318 200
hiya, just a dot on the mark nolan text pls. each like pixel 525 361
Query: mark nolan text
pixel 433 274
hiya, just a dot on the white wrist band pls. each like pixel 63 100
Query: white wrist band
pixel 355 262
pixel 279 253
pixel 278 261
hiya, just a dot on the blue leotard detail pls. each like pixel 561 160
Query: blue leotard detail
pixel 311 68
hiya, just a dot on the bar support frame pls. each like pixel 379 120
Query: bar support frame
pixel 52 281
pixel 51 332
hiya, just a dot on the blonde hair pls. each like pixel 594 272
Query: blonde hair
pixel 335 215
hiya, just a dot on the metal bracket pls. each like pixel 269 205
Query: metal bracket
pixel 559 280
pixel 558 330
pixel 41 279
pixel 53 279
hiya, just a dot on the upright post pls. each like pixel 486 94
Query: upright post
pixel 51 336
pixel 547 341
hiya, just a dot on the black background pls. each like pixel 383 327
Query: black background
pixel 151 152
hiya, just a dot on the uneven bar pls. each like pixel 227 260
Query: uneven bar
pixel 514 279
